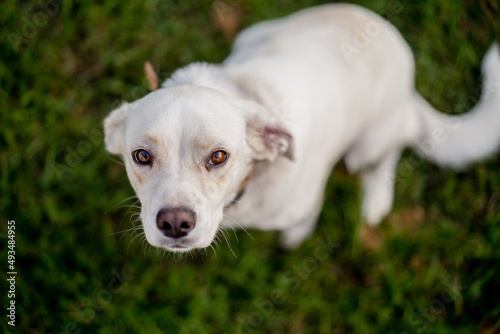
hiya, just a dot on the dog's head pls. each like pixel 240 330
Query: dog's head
pixel 187 150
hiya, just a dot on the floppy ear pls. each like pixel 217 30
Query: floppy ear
pixel 114 129
pixel 266 134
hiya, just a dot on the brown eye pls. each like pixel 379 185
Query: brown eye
pixel 218 158
pixel 141 157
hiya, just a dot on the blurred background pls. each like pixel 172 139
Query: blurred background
pixel 433 266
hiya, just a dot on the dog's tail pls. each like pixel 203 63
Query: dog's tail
pixel 455 141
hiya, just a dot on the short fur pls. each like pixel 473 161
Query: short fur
pixel 296 97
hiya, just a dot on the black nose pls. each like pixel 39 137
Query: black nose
pixel 176 222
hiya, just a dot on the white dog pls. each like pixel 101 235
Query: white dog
pixel 254 139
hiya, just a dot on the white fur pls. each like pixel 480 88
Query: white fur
pixel 312 76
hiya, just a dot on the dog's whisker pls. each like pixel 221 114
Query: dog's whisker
pixel 233 228
pixel 118 161
pixel 124 232
pixel 135 216
pixel 144 243
pixel 224 234
pixel 215 252
pixel 138 235
pixel 199 252
pixel 203 251
pixel 136 220
pixel 235 234
pixel 216 239
pixel 239 225
pixel 137 224
pixel 127 199
pixel 129 206
pixel 118 205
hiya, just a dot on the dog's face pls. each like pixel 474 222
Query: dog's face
pixel 187 150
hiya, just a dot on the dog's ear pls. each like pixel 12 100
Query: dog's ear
pixel 114 129
pixel 114 124
pixel 266 134
pixel 151 76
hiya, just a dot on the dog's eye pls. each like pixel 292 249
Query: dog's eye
pixel 141 157
pixel 218 158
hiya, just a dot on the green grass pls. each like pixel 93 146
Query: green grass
pixel 432 267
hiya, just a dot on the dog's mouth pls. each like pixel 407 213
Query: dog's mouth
pixel 178 248
pixel 178 245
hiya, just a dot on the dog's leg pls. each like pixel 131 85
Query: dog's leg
pixel 378 189
pixel 292 237
pixel 295 235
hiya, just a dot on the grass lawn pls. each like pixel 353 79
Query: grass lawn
pixel 432 267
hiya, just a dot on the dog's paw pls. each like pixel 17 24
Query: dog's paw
pixel 289 242
pixel 376 207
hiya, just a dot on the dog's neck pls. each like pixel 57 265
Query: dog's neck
pixel 241 189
